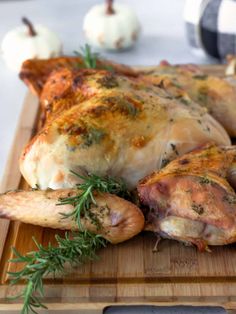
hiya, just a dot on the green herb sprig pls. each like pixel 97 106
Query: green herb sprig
pixel 75 249
pixel 90 59
pixel 84 199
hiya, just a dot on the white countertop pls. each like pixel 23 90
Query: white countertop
pixel 163 37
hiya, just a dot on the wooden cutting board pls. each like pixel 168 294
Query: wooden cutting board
pixel 128 273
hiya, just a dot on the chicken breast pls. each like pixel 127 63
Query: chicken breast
pixel 191 200
pixel 114 218
pixel 110 124
pixel 216 94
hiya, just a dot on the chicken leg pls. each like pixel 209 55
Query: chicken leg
pixel 192 199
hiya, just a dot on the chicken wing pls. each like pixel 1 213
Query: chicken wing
pixel 112 217
pixel 35 72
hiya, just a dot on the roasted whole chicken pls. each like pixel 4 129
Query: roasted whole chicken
pixel 111 124
pixel 192 199
pixel 115 122
pixel 127 124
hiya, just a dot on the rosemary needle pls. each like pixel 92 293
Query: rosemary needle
pixel 90 58
pixel 84 199
pixel 75 249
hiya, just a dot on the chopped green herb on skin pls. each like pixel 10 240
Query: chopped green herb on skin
pixel 230 199
pixel 200 77
pixel 132 110
pixel 122 104
pixel 108 81
pixel 198 208
pixel 204 180
pixel 164 162
pixel 202 95
pixel 92 136
pixel 176 84
pixel 184 101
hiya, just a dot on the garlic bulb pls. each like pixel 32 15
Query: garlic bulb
pixel 111 27
pixel 28 42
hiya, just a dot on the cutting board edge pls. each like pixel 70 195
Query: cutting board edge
pixel 23 133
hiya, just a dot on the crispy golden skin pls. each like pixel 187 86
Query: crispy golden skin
pixel 105 123
pixel 35 72
pixel 117 220
pixel 216 94
pixel 191 199
pixel 66 88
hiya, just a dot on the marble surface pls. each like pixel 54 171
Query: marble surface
pixel 162 37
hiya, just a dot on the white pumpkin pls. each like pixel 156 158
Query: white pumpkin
pixel 28 42
pixel 111 27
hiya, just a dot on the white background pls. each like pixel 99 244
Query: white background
pixel 163 37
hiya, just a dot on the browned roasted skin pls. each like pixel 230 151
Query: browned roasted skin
pixel 216 94
pixel 66 88
pixel 191 200
pixel 114 218
pixel 34 72
pixel 110 124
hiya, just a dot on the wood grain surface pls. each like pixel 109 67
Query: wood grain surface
pixel 128 273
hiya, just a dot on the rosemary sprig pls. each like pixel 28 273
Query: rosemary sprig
pixel 90 59
pixel 84 199
pixel 75 249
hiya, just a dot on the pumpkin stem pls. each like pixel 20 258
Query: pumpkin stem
pixel 110 9
pixel 30 26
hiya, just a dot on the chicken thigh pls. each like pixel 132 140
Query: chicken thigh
pixel 192 199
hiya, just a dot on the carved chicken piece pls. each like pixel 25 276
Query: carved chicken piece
pixel 114 218
pixel 98 122
pixel 218 95
pixel 191 199
pixel 35 72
